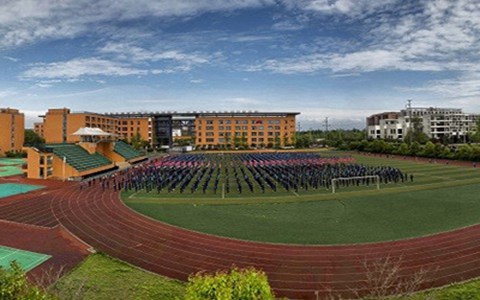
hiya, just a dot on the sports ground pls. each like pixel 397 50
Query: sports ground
pixel 432 203
pixel 98 217
pixel 25 259
pixel 11 166
pixel 10 189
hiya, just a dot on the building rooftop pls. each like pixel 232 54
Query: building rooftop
pixel 203 113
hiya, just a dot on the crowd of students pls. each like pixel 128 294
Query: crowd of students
pixel 253 172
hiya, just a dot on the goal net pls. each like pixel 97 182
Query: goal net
pixel 355 181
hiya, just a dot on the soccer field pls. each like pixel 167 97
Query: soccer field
pixel 441 198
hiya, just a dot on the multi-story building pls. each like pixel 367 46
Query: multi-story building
pixel 131 127
pixel 385 126
pixel 249 129
pixel 436 123
pixel 60 124
pixel 154 127
pixel 12 130
pixel 38 129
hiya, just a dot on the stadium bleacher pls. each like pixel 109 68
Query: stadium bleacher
pixel 126 150
pixel 79 158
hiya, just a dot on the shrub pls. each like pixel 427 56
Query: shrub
pixel 14 285
pixel 245 284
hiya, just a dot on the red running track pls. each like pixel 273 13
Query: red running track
pixel 66 250
pixel 102 220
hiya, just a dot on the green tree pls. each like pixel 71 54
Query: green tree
pixel 465 152
pixel 277 142
pixel 32 139
pixel 429 150
pixel 14 285
pixel 303 141
pixel 416 133
pixel 245 284
pixel 138 142
pixel 403 149
pixel 415 148
pixel 236 140
pixel 475 156
pixel 476 135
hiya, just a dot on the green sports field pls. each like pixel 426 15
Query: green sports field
pixel 441 198
pixel 10 189
pixel 11 166
pixel 26 259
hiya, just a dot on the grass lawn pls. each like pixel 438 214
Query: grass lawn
pixel 462 291
pixel 441 198
pixel 104 277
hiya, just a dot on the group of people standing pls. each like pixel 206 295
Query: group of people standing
pixel 252 172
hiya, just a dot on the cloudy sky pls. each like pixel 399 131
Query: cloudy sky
pixel 342 59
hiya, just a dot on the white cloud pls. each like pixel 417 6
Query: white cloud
pixel 430 36
pixel 7 93
pixel 31 116
pixel 129 51
pixel 26 21
pixel 466 85
pixel 79 67
pixel 349 7
pixel 12 59
pixel 197 81
pixel 244 38
pixel 337 118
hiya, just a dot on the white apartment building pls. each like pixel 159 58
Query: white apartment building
pixel 437 123
pixel 386 125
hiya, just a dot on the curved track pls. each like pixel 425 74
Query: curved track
pixel 102 220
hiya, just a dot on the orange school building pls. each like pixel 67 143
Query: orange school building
pixel 12 130
pixel 248 129
pixel 59 124
pixel 210 129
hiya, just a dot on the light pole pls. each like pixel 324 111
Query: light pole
pixel 409 111
pixel 63 167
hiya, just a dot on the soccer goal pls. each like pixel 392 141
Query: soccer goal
pixel 352 180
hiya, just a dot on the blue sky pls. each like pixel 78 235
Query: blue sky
pixel 342 59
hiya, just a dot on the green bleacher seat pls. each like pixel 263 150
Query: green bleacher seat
pixel 126 151
pixel 79 158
